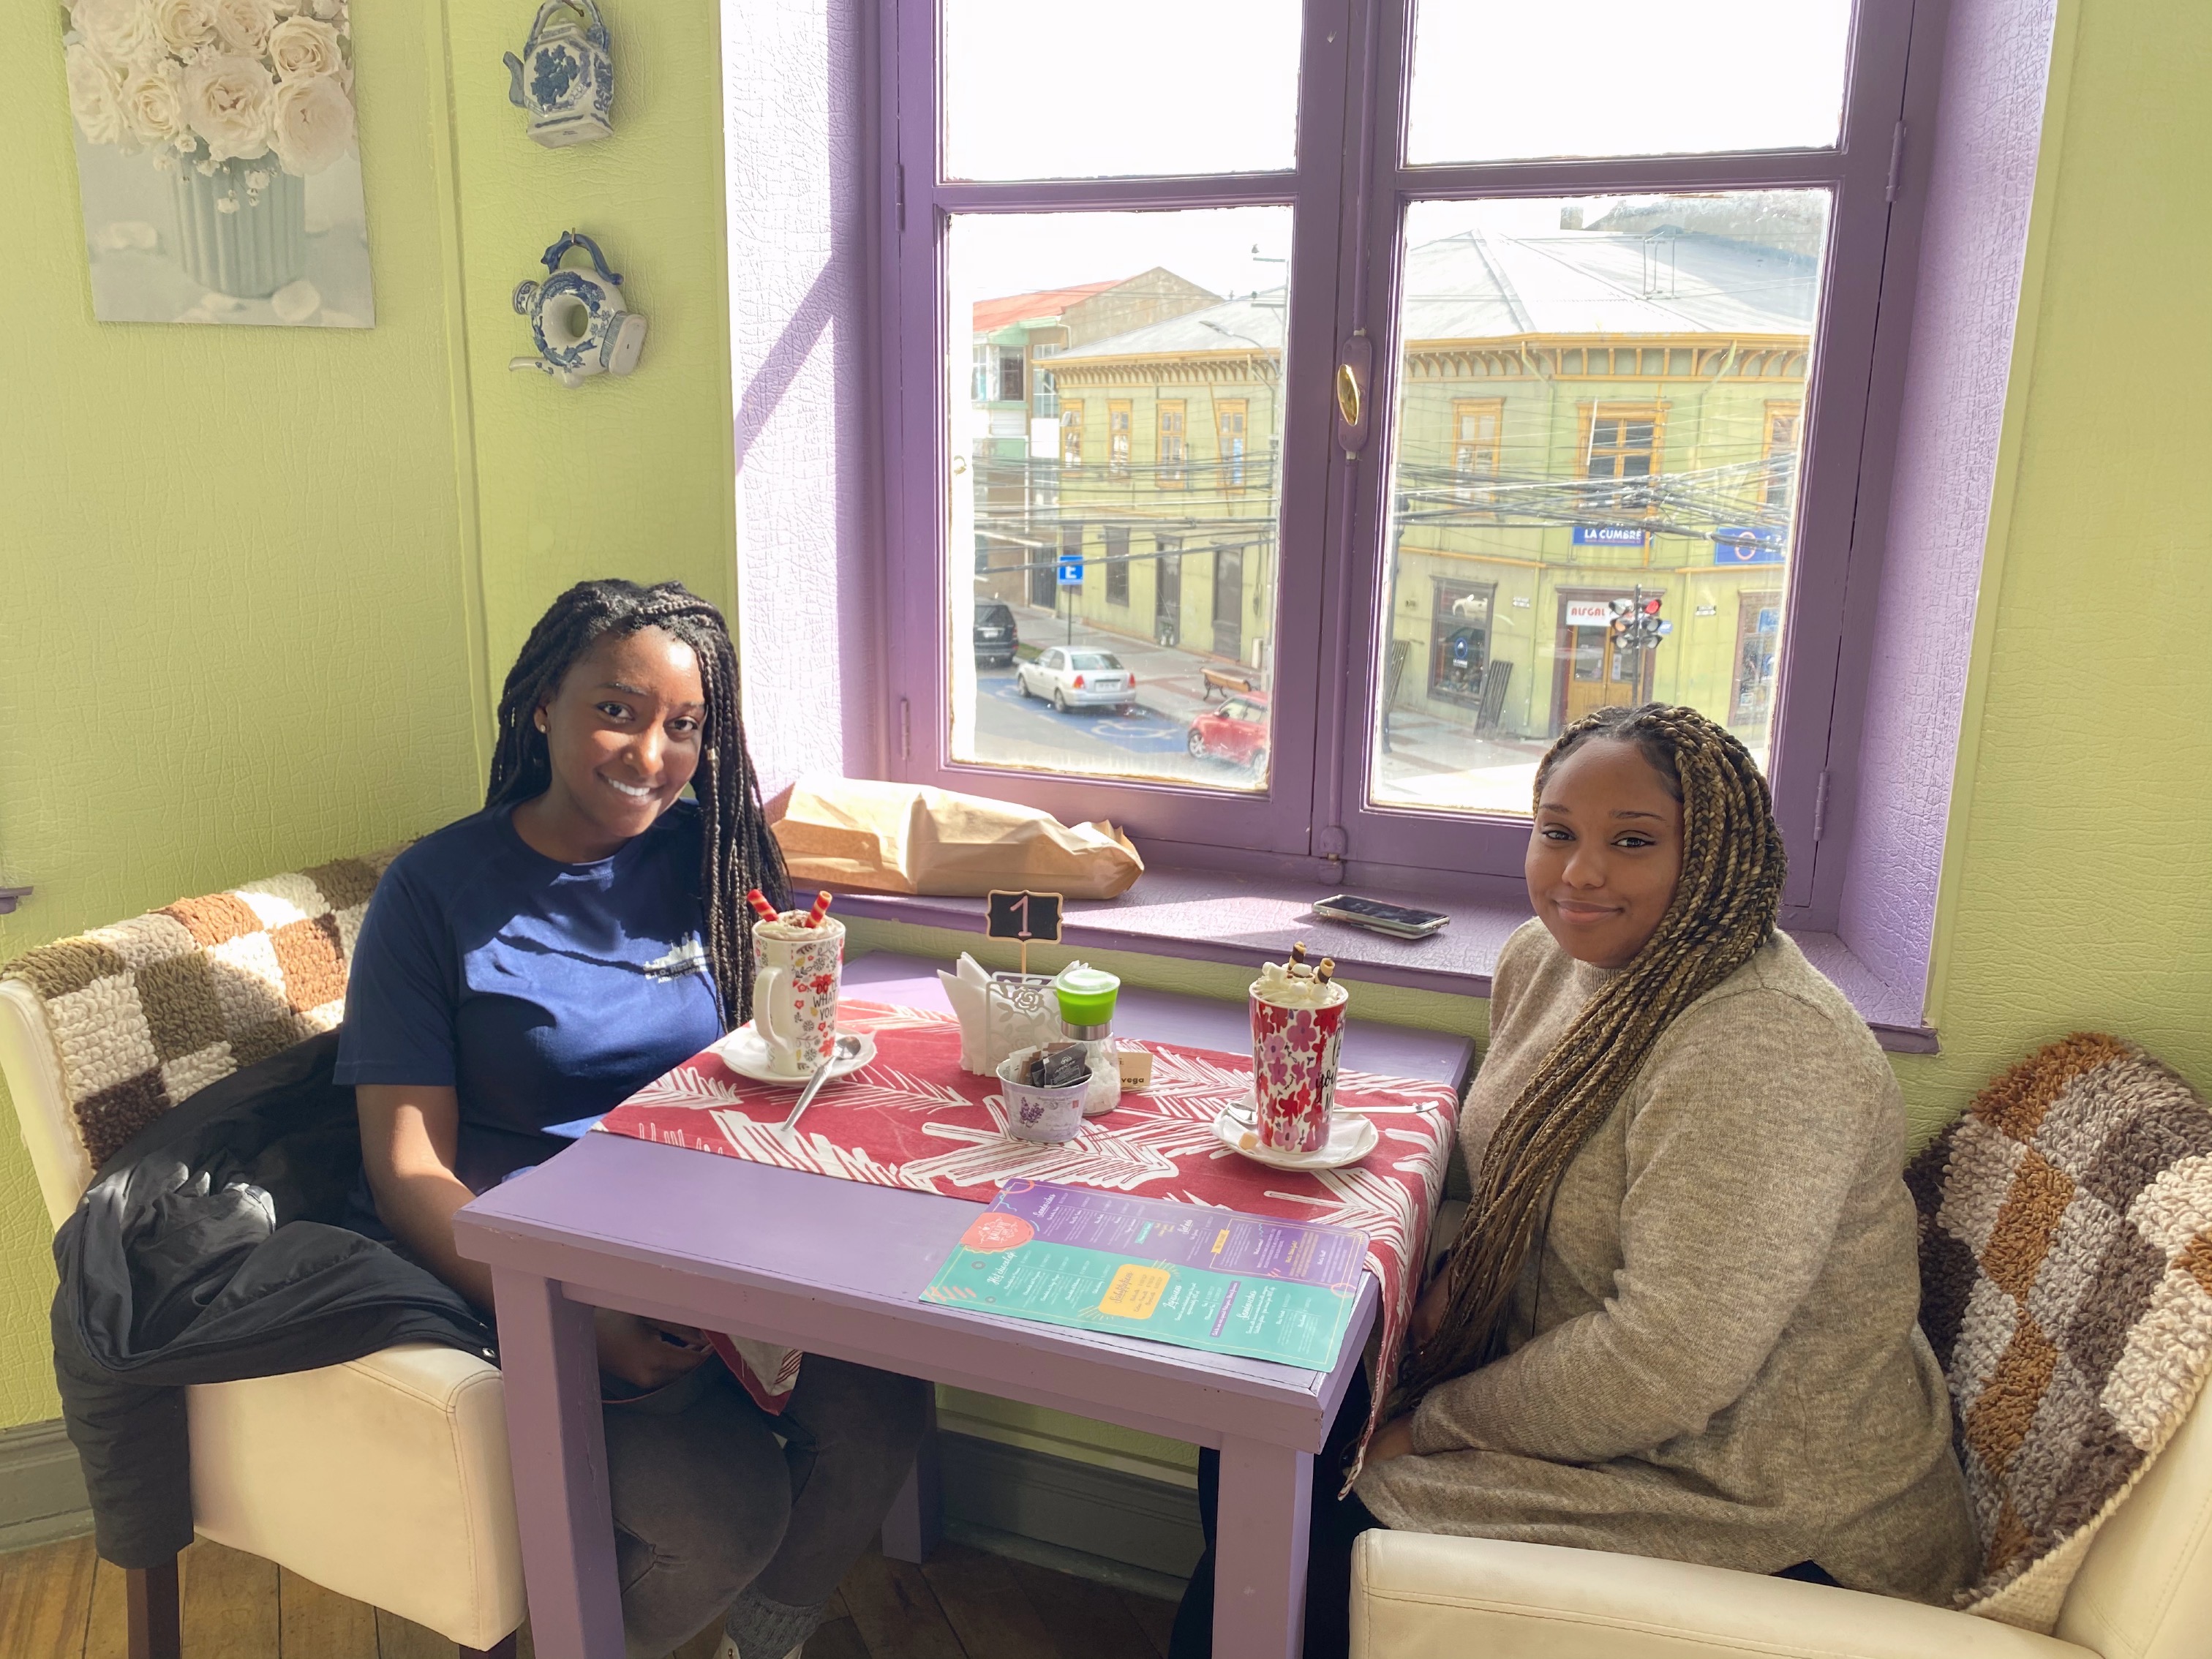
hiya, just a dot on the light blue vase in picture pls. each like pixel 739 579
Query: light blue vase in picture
pixel 256 244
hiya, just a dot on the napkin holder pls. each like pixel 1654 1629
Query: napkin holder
pixel 999 1013
pixel 1019 1011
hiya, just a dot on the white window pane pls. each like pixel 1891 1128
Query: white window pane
pixel 1143 87
pixel 1600 416
pixel 1123 579
pixel 1502 80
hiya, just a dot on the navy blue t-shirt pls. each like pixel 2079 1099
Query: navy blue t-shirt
pixel 540 992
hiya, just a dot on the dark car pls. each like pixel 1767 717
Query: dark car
pixel 994 636
pixel 1236 732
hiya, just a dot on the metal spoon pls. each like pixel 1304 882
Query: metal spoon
pixel 847 1048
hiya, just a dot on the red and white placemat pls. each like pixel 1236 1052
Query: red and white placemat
pixel 913 1118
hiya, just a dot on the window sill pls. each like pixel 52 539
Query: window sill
pixel 1206 916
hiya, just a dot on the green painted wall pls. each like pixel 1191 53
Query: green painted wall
pixel 248 576
pixel 232 636
pixel 629 476
pixel 2078 887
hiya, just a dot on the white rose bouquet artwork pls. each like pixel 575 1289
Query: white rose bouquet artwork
pixel 216 160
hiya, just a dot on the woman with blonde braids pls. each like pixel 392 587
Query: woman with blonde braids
pixel 1681 1319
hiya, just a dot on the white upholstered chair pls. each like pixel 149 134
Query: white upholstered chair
pixel 2142 1589
pixel 385 1479
pixel 2144 1592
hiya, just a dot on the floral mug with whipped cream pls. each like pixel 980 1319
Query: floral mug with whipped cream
pixel 796 973
pixel 1298 1029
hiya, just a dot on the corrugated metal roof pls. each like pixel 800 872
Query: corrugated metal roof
pixel 1478 286
pixel 992 315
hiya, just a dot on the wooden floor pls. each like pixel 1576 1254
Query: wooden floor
pixel 59 1602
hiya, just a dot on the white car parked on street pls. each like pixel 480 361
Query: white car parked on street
pixel 1076 678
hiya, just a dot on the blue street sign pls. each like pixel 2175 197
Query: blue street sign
pixel 1071 571
pixel 1607 534
pixel 1747 544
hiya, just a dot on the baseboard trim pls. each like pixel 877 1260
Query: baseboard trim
pixel 1116 1575
pixel 41 1487
pixel 1105 1514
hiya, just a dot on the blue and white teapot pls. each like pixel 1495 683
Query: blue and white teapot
pixel 565 78
pixel 578 318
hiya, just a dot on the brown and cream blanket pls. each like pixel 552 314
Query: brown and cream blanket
pixel 2066 1275
pixel 147 1010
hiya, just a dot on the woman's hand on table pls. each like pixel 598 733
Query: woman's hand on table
pixel 1394 1439
pixel 644 1353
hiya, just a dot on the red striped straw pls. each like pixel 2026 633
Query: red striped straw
pixel 761 908
pixel 821 909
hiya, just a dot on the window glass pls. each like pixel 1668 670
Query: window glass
pixel 1594 467
pixel 1229 443
pixel 1502 80
pixel 1136 530
pixel 1173 453
pixel 1007 87
pixel 1117 564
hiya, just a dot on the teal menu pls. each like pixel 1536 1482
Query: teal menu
pixel 1182 1274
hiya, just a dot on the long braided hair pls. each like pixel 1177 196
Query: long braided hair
pixel 737 851
pixel 1723 909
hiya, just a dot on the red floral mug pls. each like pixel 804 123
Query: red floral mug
pixel 1294 1052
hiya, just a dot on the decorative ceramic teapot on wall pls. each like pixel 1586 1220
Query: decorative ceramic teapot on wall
pixel 578 318
pixel 565 78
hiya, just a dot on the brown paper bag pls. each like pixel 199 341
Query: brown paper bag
pixel 905 838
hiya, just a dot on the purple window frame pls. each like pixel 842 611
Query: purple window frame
pixel 1348 193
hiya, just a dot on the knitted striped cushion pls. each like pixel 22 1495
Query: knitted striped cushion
pixel 149 1011
pixel 2066 1286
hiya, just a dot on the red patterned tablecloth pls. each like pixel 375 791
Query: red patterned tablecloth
pixel 913 1118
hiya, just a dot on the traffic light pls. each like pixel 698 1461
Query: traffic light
pixel 1635 625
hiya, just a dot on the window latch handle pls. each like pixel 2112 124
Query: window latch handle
pixel 1355 369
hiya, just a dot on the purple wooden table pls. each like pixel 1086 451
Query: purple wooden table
pixel 836 1267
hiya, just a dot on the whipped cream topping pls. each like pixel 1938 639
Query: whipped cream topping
pixel 792 925
pixel 1279 985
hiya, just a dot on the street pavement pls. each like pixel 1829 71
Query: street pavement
pixel 1014 730
pixel 1169 680
pixel 1429 761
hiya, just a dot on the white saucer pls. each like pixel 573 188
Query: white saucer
pixel 1351 1137
pixel 744 1053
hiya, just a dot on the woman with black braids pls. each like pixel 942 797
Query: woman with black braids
pixel 523 971
pixel 1680 1318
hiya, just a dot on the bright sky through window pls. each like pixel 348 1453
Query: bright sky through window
pixel 1495 80
pixel 1164 85
pixel 997 254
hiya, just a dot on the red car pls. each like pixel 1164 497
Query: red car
pixel 1237 731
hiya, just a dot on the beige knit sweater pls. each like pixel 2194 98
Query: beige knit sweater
pixel 1715 1354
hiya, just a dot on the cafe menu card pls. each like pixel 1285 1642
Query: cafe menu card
pixel 1184 1273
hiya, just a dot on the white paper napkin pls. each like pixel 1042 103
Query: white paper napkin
pixel 966 990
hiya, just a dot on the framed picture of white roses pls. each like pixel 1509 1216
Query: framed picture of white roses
pixel 216 162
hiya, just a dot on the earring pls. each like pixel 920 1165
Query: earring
pixel 541 719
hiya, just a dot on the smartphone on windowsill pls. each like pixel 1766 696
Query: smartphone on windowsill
pixel 1397 919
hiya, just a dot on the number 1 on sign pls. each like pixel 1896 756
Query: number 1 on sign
pixel 1023 917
